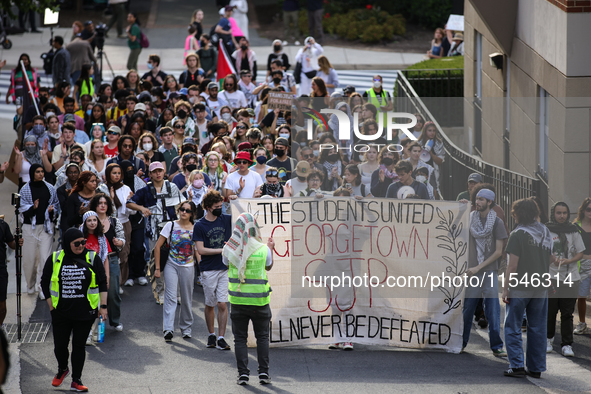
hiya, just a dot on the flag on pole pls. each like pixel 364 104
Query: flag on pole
pixel 225 65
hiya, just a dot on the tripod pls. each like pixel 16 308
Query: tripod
pixel 18 253
pixel 100 54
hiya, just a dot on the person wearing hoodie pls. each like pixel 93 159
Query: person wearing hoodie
pixel 568 248
pixel 73 311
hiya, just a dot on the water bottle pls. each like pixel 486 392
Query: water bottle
pixel 101 331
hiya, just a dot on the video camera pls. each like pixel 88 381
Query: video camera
pixel 100 30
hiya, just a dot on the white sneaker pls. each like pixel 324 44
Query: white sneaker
pixel 121 290
pixel 347 346
pixel 549 345
pixel 142 281
pixel 334 346
pixel 31 290
pixel 567 351
pixel 129 283
pixel 89 339
pixel 41 295
pixel 581 328
pixel 118 327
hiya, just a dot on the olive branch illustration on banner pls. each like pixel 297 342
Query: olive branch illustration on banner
pixel 458 249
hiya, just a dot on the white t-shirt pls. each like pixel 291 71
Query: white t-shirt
pixel 204 136
pixel 296 186
pixel 215 106
pixel 236 99
pixel 181 245
pixel 251 182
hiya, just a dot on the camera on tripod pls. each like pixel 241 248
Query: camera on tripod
pixel 100 30
pixel 16 200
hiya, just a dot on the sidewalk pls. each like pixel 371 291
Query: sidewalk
pixel 168 43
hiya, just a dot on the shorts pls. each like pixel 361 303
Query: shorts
pixel 584 287
pixel 215 286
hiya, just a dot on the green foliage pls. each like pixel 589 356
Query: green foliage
pixel 27 5
pixel 426 13
pixel 443 63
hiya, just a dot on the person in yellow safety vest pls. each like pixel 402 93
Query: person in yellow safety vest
pixel 75 286
pixel 249 293
pixel 85 83
pixel 382 100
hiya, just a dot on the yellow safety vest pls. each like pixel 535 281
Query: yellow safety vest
pixel 93 291
pixel 373 99
pixel 255 289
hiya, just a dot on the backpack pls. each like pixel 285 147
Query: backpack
pixel 144 43
pixel 213 36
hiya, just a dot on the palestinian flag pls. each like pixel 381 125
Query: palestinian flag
pixel 225 65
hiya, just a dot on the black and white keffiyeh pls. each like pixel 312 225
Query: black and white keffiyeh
pixel 103 243
pixel 482 234
pixel 27 203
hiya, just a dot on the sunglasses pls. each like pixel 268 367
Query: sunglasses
pixel 111 133
pixel 179 126
pixel 241 162
pixel 241 127
pixel 229 86
pixel 78 243
pixel 308 156
pixel 271 173
pixel 187 210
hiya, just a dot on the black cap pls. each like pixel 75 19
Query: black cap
pixel 349 89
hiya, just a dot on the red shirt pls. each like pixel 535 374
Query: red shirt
pixel 110 153
pixel 92 243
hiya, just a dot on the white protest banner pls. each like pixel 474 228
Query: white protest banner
pixel 455 22
pixel 376 272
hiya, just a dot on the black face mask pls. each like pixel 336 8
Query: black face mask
pixel 279 152
pixel 191 167
pixel 202 43
pixel 129 174
pixel 244 47
pixel 43 100
pixel 276 48
pixel 277 81
pixel 181 113
pixel 334 157
pixel 217 212
pixel 387 161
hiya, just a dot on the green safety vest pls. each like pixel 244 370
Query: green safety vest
pixel 85 89
pixel 255 289
pixel 93 291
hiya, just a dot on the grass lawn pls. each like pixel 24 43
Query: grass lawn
pixel 443 63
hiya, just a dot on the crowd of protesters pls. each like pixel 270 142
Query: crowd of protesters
pixel 145 168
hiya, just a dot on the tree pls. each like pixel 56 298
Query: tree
pixel 28 5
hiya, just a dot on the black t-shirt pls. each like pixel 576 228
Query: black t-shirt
pixel 533 259
pixel 283 167
pixel 152 78
pixel 5 238
pixel 419 188
pixel 187 79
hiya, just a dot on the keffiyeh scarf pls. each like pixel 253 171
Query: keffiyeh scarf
pixel 245 240
pixel 27 203
pixel 482 234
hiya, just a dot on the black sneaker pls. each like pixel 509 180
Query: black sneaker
pixel 168 335
pixel 264 378
pixel 482 323
pixel 222 345
pixel 242 380
pixel 211 340
pixel 536 375
pixel 515 372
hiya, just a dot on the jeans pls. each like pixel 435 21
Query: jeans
pixel 79 329
pixel 113 296
pixel 535 303
pixel 560 301
pixel 260 317
pixel 489 291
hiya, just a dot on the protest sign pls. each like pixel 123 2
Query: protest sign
pixel 455 23
pixel 394 261
pixel 280 101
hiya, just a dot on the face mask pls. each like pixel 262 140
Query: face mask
pixel 284 135
pixel 302 179
pixel 421 178
pixel 192 100
pixel 43 100
pixel 48 114
pixel 38 129
pixel 316 153
pixel 273 189
pixel 302 144
pixel 148 146
pixel 150 66
pixel 276 48
pixel 288 120
pixel 251 120
pixel 154 99
pixel 181 113
pixel 198 183
pixel 261 159
pixel 31 149
pixel 377 84
pixel 244 47
pixel 387 161
pixel 129 174
pixel 279 152
pixel 202 43
pixel 217 212
pixel 276 81
pixel 191 167
pixel 226 117
pixel 88 112
pixel 334 157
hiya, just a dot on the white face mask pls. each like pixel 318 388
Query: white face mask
pixel 226 117
pixel 192 100
pixel 316 153
pixel 377 84
pixel 421 179
pixel 48 114
pixel 148 146
pixel 284 135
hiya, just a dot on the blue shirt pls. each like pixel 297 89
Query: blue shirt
pixel 214 235
pixel 81 137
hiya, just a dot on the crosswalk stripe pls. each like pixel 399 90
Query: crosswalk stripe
pixel 361 79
